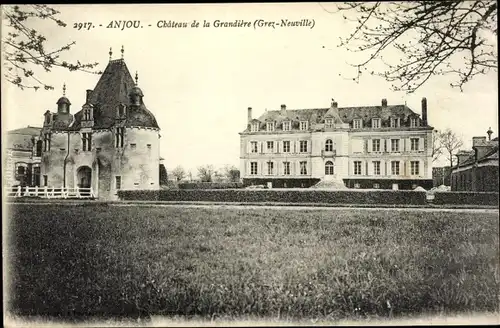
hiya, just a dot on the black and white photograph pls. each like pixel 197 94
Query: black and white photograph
pixel 250 164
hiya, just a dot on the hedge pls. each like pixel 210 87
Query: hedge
pixel 285 196
pixel 210 185
pixel 466 198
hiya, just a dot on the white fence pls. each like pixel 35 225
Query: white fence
pixel 49 192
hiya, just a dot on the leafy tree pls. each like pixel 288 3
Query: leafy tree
pixel 232 173
pixel 24 48
pixel 179 173
pixel 455 38
pixel 450 143
pixel 206 173
pixel 163 175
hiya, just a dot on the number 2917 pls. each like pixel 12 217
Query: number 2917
pixel 84 26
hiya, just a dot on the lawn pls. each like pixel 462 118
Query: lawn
pixel 77 262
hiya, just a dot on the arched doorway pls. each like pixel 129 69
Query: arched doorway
pixel 329 170
pixel 84 177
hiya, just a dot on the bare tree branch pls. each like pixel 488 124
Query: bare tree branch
pixel 430 37
pixel 24 48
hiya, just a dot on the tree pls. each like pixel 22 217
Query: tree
pixel 163 175
pixel 232 173
pixel 24 48
pixel 205 173
pixel 179 173
pixel 456 38
pixel 450 143
pixel 437 148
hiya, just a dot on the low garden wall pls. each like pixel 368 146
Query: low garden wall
pixel 282 196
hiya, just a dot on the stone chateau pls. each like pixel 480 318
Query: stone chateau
pixel 110 143
pixel 385 146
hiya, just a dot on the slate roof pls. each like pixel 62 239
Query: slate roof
pixel 346 114
pixel 20 139
pixel 491 154
pixel 111 90
pixel 29 130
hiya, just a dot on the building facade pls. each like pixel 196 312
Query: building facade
pixel 386 146
pixel 477 170
pixel 111 143
pixel 22 157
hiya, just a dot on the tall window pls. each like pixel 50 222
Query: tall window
pixel 413 122
pixel 118 182
pixel 376 145
pixel 46 142
pixel 414 144
pixel 376 168
pixel 286 168
pixel 357 167
pixel 329 145
pixel 119 136
pixel 303 125
pixel 303 168
pixel 255 127
pixel 395 168
pixel 376 123
pixel 254 147
pixel 45 180
pixel 286 146
pixel 39 147
pixel 328 123
pixel 270 146
pixel 357 124
pixel 329 168
pixel 394 145
pixel 287 126
pixel 303 146
pixel 414 168
pixel 270 126
pixel 270 168
pixel 86 141
pixel 253 168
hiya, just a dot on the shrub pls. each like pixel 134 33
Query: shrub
pixel 210 185
pixel 285 196
pixel 466 198
pixel 139 194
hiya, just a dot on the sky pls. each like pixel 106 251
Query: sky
pixel 199 82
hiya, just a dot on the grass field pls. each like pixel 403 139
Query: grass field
pixel 76 262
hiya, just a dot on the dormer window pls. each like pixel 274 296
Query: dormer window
pixel 376 123
pixel 287 126
pixel 395 122
pixel 270 126
pixel 86 114
pixel 254 127
pixel 328 123
pixel 413 122
pixel 304 125
pixel 357 124
pixel 121 110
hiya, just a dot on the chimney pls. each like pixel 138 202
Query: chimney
pixel 334 103
pixel 480 146
pixel 489 132
pixel 87 99
pixel 462 155
pixel 384 102
pixel 249 114
pixel 283 109
pixel 424 111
